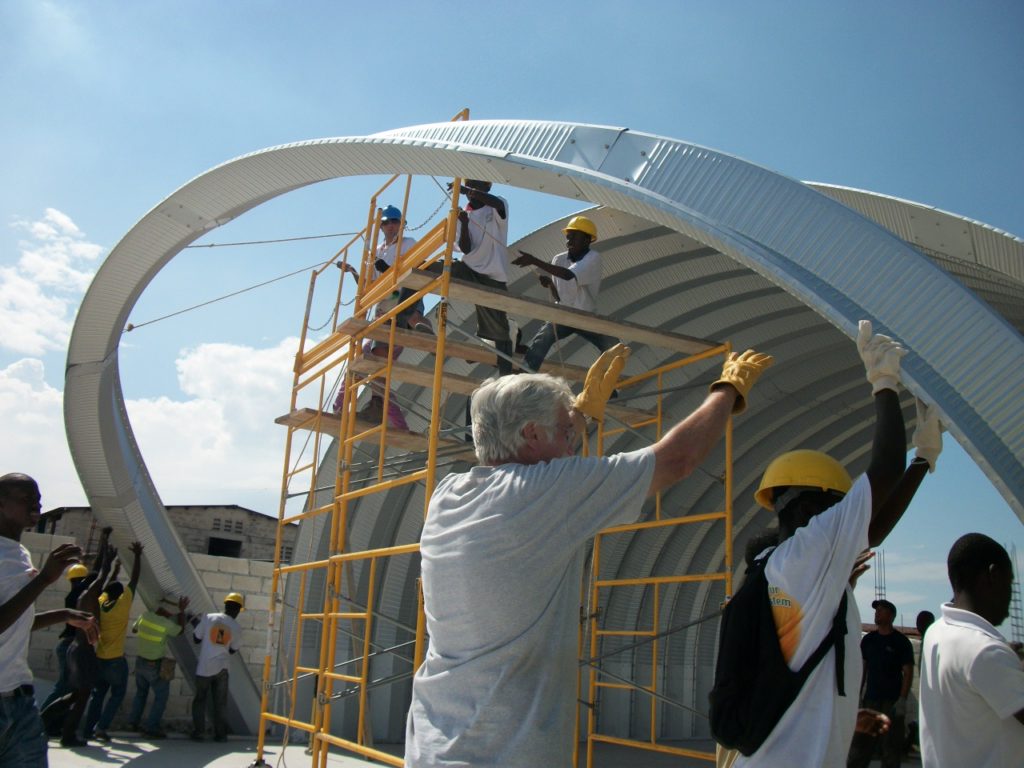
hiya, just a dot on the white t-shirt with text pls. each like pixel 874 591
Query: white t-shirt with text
pixel 807 575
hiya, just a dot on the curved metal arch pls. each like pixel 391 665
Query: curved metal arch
pixel 830 258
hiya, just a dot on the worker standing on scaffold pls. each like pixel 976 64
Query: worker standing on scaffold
pixel 482 238
pixel 410 318
pixel 574 279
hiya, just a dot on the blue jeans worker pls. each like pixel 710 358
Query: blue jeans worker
pixel 574 279
pixel 219 636
pixel 22 738
pixel 76 576
pixel 154 629
pixel 112 669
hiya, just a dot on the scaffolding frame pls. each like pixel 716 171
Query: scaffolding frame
pixel 590 624
pixel 339 358
pixel 314 366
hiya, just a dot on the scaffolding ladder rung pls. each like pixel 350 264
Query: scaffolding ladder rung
pixel 466 385
pixel 330 424
pixel 643 582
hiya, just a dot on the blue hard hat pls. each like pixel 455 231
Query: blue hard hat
pixel 390 213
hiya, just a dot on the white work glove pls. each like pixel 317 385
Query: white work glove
pixel 899 709
pixel 881 356
pixel 927 438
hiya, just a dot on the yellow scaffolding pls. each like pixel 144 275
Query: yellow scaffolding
pixel 590 626
pixel 336 363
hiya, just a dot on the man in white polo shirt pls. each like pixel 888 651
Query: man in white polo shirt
pixel 22 738
pixel 972 683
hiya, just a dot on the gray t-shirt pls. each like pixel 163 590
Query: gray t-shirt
pixel 502 558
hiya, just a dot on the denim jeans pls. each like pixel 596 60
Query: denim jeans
pixel 147 675
pixel 218 685
pixel 22 738
pixel 61 687
pixel 549 333
pixel 113 677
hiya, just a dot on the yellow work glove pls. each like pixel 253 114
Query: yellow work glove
pixel 881 356
pixel 742 370
pixel 601 380
pixel 927 438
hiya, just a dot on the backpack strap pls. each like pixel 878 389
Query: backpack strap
pixel 834 637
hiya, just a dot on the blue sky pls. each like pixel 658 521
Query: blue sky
pixel 110 107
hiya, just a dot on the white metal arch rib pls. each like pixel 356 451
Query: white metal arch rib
pixel 811 246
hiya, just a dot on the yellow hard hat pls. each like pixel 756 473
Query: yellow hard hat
pixel 77 571
pixel 811 468
pixel 582 224
pixel 235 597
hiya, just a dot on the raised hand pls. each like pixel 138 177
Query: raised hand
pixel 742 371
pixel 860 566
pixel 601 380
pixel 881 356
pixel 58 561
pixel 927 438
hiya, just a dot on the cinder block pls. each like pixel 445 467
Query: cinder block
pixel 233 565
pixel 247 585
pixel 261 568
pixel 217 582
pixel 205 562
pixel 257 603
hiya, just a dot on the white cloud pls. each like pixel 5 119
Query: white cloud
pixel 38 295
pixel 217 445
pixel 220 445
pixel 34 438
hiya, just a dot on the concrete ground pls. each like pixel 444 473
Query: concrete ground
pixel 180 752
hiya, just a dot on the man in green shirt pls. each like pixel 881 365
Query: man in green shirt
pixel 154 629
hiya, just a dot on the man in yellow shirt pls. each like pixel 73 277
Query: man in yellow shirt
pixel 115 607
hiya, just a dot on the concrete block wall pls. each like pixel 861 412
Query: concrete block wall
pixel 221 575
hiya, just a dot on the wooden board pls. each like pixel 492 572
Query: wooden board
pixel 542 310
pixel 471 353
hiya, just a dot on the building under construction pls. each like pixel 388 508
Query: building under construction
pixel 701 252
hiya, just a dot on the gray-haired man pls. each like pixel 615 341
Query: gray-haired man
pixel 502 559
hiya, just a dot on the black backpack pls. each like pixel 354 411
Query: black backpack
pixel 753 684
